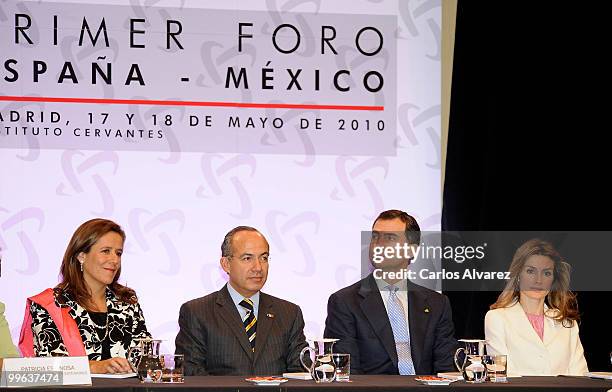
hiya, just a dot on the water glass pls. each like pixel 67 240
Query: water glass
pixel 343 366
pixel 172 368
pixel 497 367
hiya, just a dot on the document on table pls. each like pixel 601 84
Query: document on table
pixel 118 375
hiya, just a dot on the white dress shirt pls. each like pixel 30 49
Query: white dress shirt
pixel 402 294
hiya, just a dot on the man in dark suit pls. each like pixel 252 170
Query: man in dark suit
pixel 391 325
pixel 239 330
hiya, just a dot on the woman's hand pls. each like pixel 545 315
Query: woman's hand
pixel 111 365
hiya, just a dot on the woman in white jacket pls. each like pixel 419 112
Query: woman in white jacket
pixel 535 319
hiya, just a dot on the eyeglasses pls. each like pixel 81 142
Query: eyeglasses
pixel 248 259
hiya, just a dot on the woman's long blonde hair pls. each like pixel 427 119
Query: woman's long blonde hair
pixel 559 298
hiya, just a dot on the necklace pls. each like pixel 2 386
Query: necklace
pixel 94 314
pixel 99 326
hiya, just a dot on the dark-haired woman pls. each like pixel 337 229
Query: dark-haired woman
pixel 89 313
pixel 535 319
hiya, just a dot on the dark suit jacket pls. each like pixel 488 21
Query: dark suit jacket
pixel 214 342
pixel 357 316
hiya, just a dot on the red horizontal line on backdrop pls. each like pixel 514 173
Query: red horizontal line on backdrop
pixel 191 103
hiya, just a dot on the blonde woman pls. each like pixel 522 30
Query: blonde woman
pixel 535 318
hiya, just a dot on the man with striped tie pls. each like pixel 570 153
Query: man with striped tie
pixel 390 325
pixel 240 330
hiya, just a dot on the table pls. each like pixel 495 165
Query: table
pixel 359 384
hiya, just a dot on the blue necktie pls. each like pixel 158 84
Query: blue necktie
pixel 400 332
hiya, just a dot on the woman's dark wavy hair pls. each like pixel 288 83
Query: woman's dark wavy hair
pixel 73 282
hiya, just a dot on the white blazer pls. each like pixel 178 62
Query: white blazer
pixel 508 331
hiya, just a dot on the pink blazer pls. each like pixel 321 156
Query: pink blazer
pixel 62 319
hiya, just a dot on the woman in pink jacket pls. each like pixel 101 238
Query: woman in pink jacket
pixel 89 312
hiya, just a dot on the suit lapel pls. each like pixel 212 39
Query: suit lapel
pixel 265 321
pixel 229 314
pixel 418 320
pixel 374 309
pixel 523 326
pixel 85 322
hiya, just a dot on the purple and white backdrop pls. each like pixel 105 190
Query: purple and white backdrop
pixel 183 119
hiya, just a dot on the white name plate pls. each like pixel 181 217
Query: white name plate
pixel 45 371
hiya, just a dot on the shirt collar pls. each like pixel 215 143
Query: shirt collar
pixel 237 297
pixel 64 299
pixel 402 285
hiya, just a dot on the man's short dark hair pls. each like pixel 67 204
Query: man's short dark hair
pixel 226 245
pixel 412 230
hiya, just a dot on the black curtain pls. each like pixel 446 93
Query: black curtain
pixel 529 145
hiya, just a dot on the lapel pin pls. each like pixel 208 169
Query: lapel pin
pixel 270 315
pixel 426 310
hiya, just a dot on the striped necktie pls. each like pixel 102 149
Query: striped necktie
pixel 250 322
pixel 401 334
